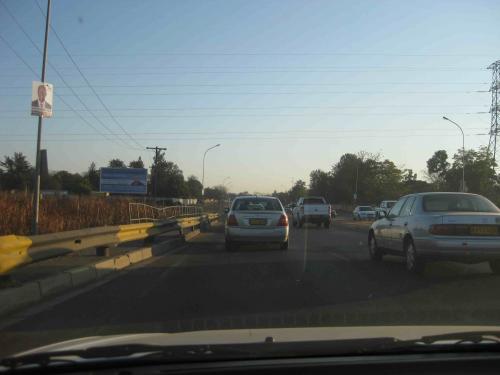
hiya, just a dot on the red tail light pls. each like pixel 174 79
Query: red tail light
pixel 283 221
pixel 231 221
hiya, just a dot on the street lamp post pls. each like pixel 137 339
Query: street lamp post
pixel 463 150
pixel 203 175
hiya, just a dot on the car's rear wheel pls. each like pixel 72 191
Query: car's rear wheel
pixel 373 249
pixel 495 266
pixel 414 264
pixel 284 245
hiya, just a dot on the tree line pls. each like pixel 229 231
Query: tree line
pixel 16 173
pixel 375 178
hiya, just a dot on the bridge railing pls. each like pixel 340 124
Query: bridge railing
pixel 144 213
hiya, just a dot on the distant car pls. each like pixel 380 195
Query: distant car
pixel 256 219
pixel 387 205
pixel 312 210
pixel 364 213
pixel 431 226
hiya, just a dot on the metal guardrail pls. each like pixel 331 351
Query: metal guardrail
pixel 19 250
pixel 140 212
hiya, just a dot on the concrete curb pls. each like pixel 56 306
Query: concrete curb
pixel 15 298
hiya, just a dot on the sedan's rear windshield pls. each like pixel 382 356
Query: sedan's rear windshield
pixel 366 208
pixel 457 203
pixel 257 204
pixel 313 201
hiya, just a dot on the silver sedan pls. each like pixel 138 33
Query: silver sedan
pixel 256 219
pixel 439 226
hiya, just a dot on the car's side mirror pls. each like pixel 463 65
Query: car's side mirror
pixel 226 210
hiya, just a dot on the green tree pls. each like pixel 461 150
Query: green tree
pixel 299 189
pixel 93 177
pixel 376 179
pixel 74 183
pixel 15 172
pixel 194 187
pixel 136 163
pixel 437 169
pixel 116 163
pixel 320 184
pixel 480 174
pixel 169 179
pixel 218 192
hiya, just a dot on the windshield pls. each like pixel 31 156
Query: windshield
pixel 257 204
pixel 148 150
pixel 458 203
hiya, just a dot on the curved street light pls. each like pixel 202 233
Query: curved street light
pixel 203 175
pixel 463 150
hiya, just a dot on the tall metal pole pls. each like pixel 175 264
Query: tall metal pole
pixel 463 150
pixel 36 193
pixel 203 173
pixel 356 189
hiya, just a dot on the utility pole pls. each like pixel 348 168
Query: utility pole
pixel 36 193
pixel 462 188
pixel 157 151
pixel 495 109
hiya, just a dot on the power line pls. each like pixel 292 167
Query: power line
pixel 239 115
pixel 145 109
pixel 87 81
pixel 262 53
pixel 60 76
pixel 240 138
pixel 251 93
pixel 169 85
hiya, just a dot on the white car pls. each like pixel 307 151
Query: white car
pixel 256 219
pixel 364 213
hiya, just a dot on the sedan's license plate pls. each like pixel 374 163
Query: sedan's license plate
pixel 257 221
pixel 484 230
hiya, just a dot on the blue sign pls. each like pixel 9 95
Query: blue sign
pixel 124 180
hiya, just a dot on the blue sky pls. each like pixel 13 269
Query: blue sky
pixel 285 86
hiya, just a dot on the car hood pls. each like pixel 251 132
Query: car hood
pixel 250 336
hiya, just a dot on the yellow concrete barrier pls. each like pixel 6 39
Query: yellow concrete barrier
pixel 13 252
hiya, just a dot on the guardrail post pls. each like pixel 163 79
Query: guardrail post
pixel 102 251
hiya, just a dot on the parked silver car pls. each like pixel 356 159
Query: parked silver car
pixel 254 219
pixel 439 226
pixel 364 213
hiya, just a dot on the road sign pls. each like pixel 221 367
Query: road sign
pixel 42 94
pixel 124 180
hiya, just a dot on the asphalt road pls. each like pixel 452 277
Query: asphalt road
pixel 324 279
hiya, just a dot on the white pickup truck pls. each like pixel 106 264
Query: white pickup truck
pixel 312 210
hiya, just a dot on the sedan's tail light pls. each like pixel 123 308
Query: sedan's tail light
pixel 283 221
pixel 231 221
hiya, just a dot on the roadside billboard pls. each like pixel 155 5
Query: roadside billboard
pixel 124 180
pixel 42 94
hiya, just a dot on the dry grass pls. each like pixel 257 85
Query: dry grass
pixel 60 213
